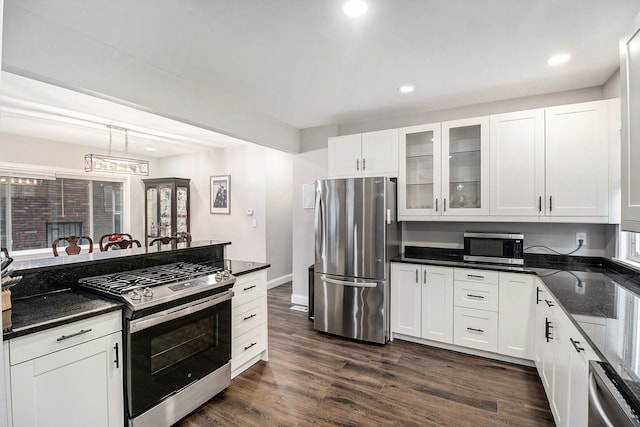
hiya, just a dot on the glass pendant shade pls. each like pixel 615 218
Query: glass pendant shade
pixel 100 163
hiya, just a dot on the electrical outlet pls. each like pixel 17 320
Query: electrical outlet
pixel 583 237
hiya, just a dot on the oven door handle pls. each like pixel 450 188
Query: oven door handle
pixel 177 312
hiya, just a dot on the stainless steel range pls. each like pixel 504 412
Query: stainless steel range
pixel 177 337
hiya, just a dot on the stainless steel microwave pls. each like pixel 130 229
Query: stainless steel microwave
pixel 494 248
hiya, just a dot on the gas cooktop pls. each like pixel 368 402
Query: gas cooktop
pixel 151 286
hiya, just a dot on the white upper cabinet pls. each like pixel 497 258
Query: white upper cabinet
pixel 366 154
pixel 419 179
pixel 465 169
pixel 630 98
pixel 517 163
pixel 577 166
pixel 444 170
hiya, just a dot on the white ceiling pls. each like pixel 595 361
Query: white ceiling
pixel 306 64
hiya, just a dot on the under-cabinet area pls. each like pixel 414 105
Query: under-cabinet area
pixel 557 320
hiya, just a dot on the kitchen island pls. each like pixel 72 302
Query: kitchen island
pixel 84 336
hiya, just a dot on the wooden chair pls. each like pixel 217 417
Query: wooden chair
pixel 105 239
pixel 165 240
pixel 183 236
pixel 122 244
pixel 73 248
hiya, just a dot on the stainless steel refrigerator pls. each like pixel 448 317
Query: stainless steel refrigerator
pixel 356 235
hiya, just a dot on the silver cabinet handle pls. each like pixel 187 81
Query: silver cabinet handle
pixel 436 205
pixel 358 164
pixel 80 332
pixel 549 303
pixel 475 330
pixel 576 345
pixel 117 361
pixel 250 345
pixel 345 283
pixel 550 203
pixel 539 203
pixel 475 296
pixel 475 276
pixel 425 277
pixel 364 164
pixel 250 317
pixel 250 287
pixel 444 205
pixel 416 275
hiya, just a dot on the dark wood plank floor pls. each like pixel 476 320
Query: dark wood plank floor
pixel 313 378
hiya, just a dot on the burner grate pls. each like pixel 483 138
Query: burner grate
pixel 121 283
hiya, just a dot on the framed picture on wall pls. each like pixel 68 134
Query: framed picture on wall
pixel 220 194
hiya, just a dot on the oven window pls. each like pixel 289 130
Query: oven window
pixel 181 343
pixel 486 247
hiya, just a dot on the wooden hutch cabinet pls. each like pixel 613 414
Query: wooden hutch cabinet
pixel 166 207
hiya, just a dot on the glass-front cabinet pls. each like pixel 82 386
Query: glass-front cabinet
pixel 444 169
pixel 166 207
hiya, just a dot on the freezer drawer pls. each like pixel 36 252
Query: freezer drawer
pixel 351 308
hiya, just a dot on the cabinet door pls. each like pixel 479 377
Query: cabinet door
pixel 630 99
pixel 517 163
pixel 78 386
pixel 577 169
pixel 516 315
pixel 465 167
pixel 437 303
pixel 380 153
pixel 420 169
pixel 546 336
pixel 345 156
pixel 475 328
pixel 405 299
pixel 578 390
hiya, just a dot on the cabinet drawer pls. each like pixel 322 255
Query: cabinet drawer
pixel 248 316
pixel 475 328
pixel 248 346
pixel 482 296
pixel 472 275
pixel 249 287
pixel 61 337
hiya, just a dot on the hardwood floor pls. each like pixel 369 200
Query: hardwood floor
pixel 313 378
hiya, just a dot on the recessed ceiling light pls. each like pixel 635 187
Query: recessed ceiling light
pixel 355 8
pixel 408 88
pixel 151 149
pixel 559 59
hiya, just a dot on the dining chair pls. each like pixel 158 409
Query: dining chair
pixel 73 248
pixel 122 244
pixel 109 238
pixel 183 236
pixel 165 240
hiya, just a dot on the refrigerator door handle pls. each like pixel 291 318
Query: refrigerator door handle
pixel 345 283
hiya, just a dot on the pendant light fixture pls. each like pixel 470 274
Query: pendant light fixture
pixel 122 165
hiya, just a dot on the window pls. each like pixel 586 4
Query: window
pixel 34 212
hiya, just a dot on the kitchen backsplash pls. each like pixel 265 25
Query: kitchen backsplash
pixel 601 238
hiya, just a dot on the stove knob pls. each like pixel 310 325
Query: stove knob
pixel 147 292
pixel 135 295
pixel 218 276
pixel 225 274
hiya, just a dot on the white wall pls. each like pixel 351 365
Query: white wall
pixel 308 167
pixel 279 215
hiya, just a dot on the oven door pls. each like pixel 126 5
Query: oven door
pixel 169 350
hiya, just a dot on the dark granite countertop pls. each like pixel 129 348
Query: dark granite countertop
pixel 601 297
pixel 239 268
pixel 37 313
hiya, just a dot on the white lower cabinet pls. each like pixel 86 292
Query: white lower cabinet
pixel 562 358
pixel 422 301
pixel 69 376
pixel 476 328
pixel 249 337
pixel 516 315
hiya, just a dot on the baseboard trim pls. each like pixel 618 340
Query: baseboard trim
pixel 279 281
pixel 466 350
pixel 300 299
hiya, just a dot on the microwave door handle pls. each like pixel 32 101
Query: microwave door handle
pixel 594 401
pixel 345 283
